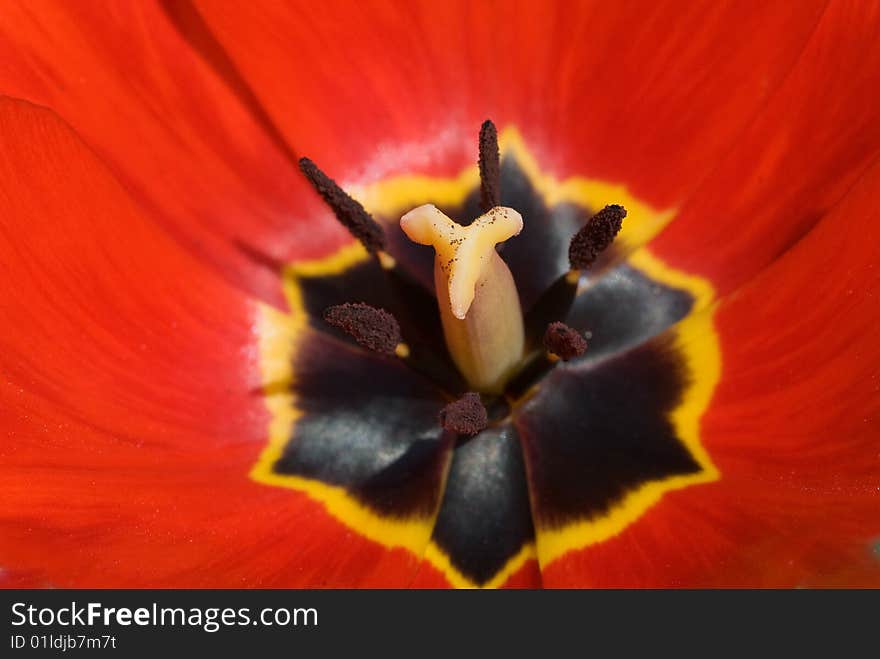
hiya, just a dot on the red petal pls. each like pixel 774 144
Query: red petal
pixel 130 424
pixel 793 430
pixel 172 131
pixel 818 134
pixel 649 94
pixel 20 579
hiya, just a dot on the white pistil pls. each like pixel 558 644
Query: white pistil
pixel 477 298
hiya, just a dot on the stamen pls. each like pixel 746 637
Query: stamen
pixel 490 166
pixel 595 236
pixel 563 341
pixel 466 416
pixel 348 210
pixel 374 329
pixel 555 302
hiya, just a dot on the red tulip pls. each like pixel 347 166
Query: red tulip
pixel 166 263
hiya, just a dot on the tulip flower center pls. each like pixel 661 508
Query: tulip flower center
pixel 483 383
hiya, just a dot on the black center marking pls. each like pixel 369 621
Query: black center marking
pixel 596 429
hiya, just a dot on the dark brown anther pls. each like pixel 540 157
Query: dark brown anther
pixel 595 236
pixel 373 328
pixel 466 416
pixel 348 211
pixel 490 166
pixel 564 341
